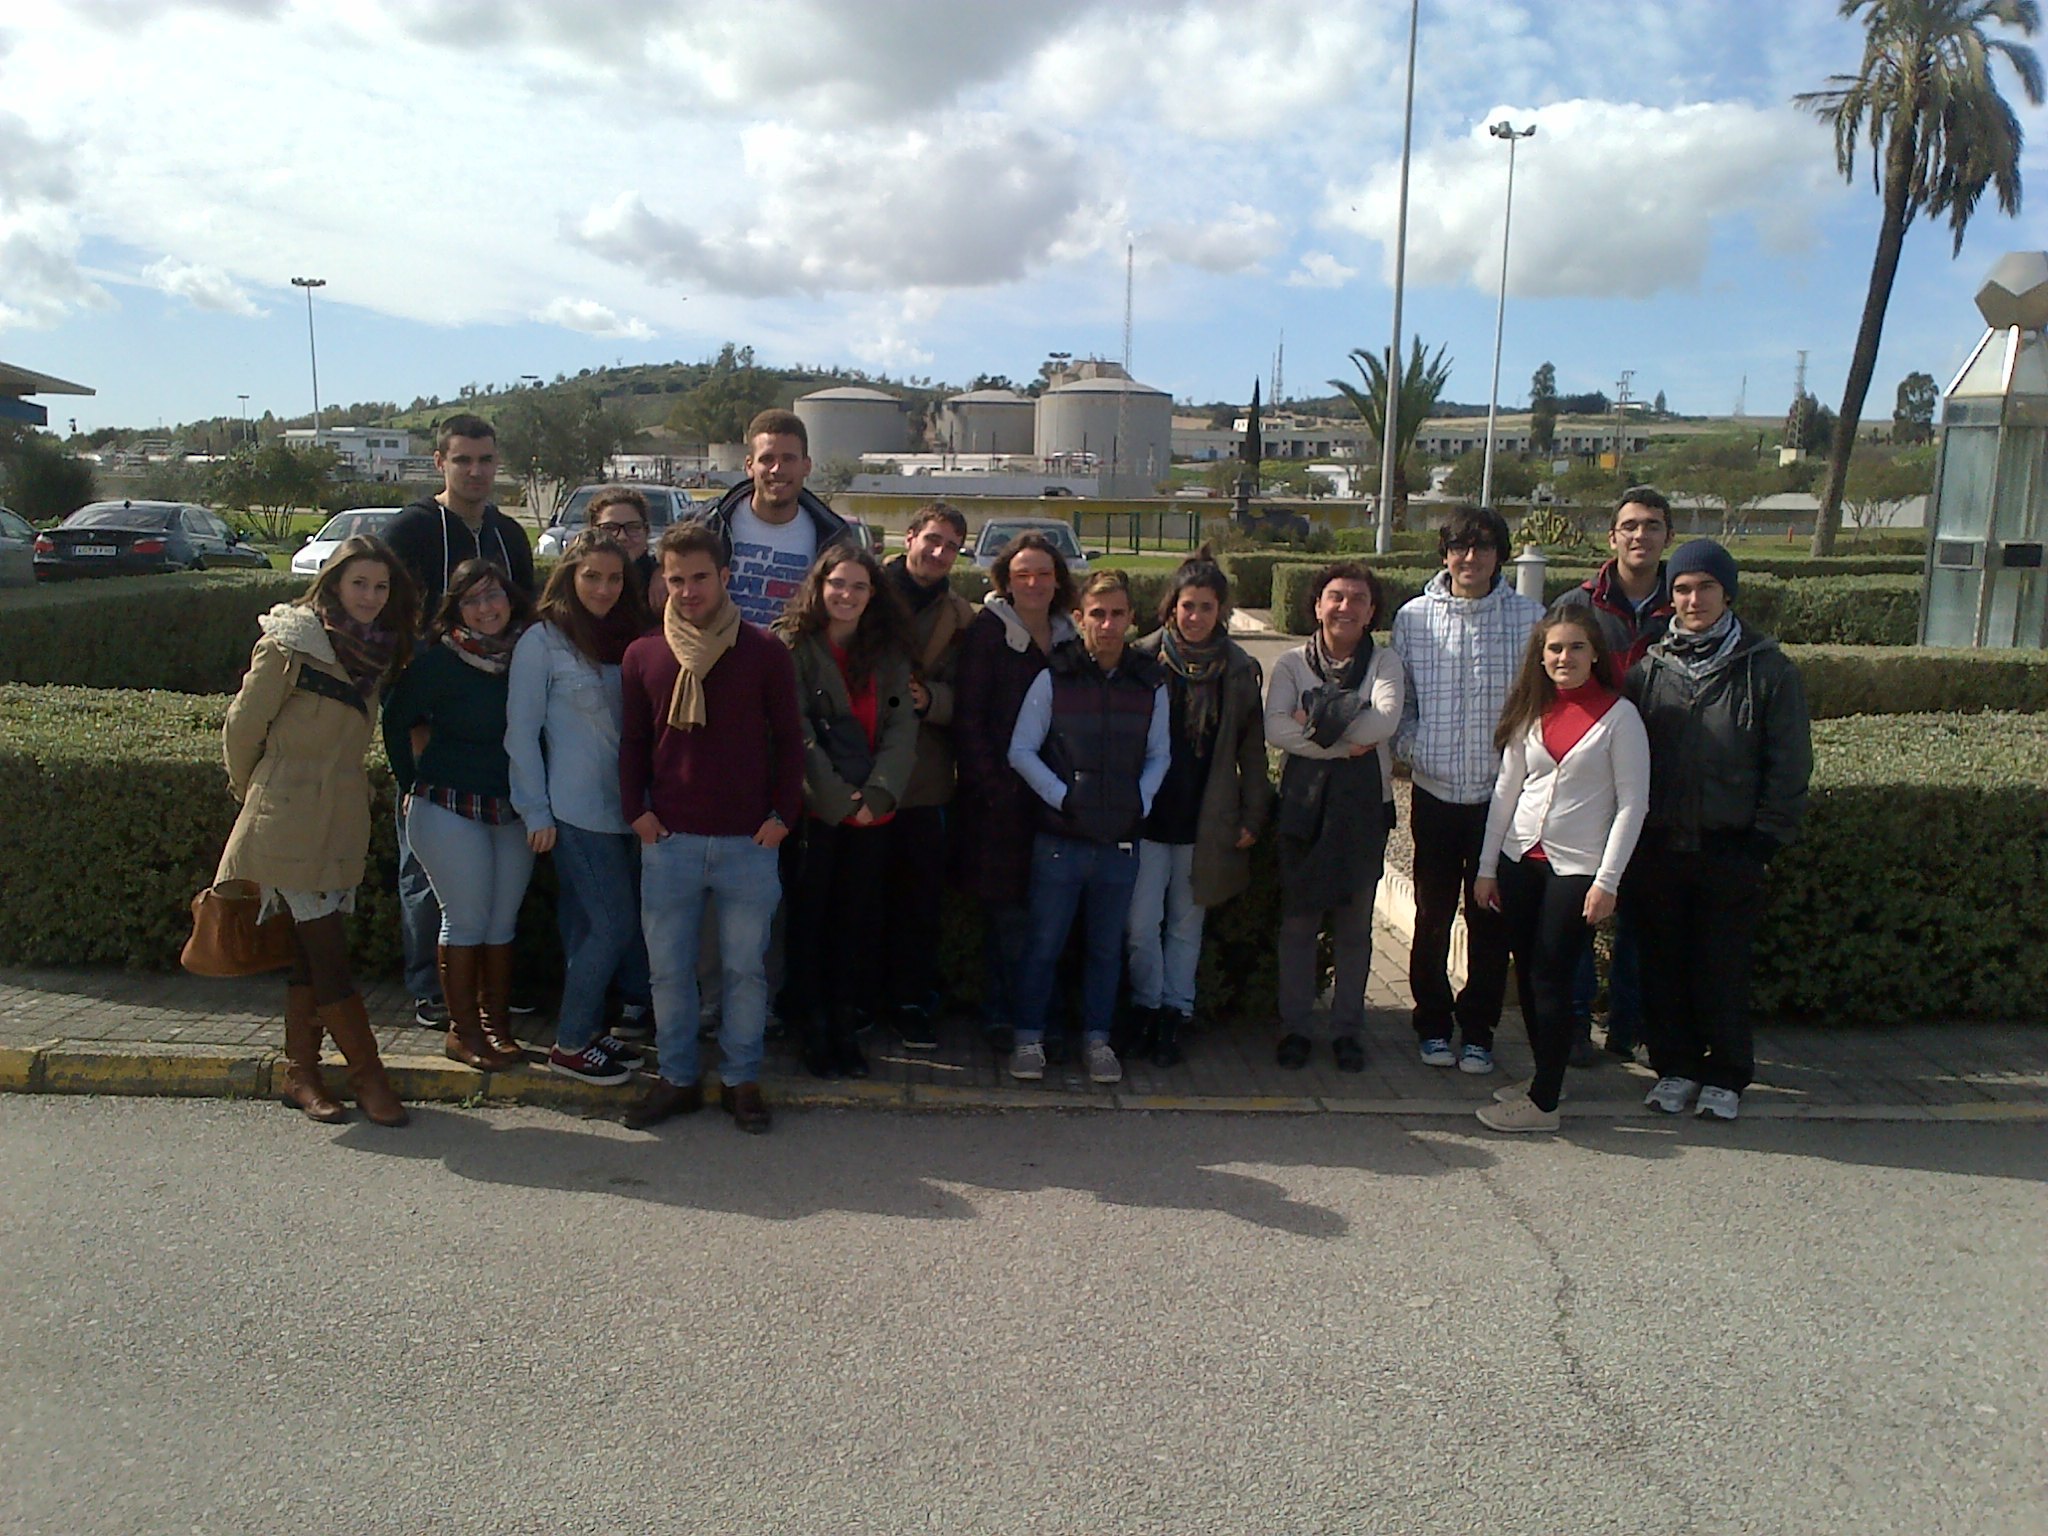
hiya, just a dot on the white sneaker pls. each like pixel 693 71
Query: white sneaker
pixel 1518 1115
pixel 1673 1095
pixel 1719 1103
pixel 1027 1063
pixel 1520 1090
pixel 1103 1067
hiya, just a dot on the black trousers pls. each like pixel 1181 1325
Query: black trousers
pixel 1696 915
pixel 1545 914
pixel 1447 839
pixel 915 842
pixel 834 934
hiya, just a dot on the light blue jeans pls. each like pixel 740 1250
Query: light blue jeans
pixel 598 913
pixel 479 872
pixel 419 921
pixel 676 875
pixel 1163 975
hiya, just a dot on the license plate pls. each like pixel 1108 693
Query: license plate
pixel 94 549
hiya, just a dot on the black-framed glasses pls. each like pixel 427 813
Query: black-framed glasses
pixel 636 526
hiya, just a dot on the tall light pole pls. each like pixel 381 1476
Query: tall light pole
pixel 312 354
pixel 246 433
pixel 1383 541
pixel 1500 130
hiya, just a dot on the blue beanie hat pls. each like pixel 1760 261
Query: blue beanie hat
pixel 1703 557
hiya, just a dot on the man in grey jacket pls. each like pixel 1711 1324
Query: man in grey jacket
pixel 1730 756
pixel 1460 645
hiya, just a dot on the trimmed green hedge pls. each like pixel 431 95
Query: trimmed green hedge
pixel 1917 892
pixel 1844 680
pixel 186 631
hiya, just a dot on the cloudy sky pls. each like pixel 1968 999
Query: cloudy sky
pixel 940 187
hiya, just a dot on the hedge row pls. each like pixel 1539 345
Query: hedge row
pixel 186 631
pixel 1916 893
pixel 1828 610
pixel 1844 680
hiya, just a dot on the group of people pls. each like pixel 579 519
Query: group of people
pixel 758 757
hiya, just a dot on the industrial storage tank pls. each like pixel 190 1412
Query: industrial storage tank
pixel 1086 416
pixel 846 423
pixel 997 421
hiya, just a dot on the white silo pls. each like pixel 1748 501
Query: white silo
pixel 1088 415
pixel 996 421
pixel 845 423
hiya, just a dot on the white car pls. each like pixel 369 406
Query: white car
pixel 342 526
pixel 998 531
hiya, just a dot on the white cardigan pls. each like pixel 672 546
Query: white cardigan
pixel 1586 811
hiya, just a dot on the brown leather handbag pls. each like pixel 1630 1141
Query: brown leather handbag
pixel 226 938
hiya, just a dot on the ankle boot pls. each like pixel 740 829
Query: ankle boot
pixel 349 1023
pixel 1166 1038
pixel 459 967
pixel 494 1005
pixel 846 1053
pixel 821 1058
pixel 303 1084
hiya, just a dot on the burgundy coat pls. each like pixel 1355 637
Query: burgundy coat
pixel 994 811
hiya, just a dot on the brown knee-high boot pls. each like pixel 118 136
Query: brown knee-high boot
pixel 349 1023
pixel 303 1085
pixel 461 979
pixel 494 1003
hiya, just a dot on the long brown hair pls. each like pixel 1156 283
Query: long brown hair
pixel 1198 570
pixel 1534 692
pixel 474 573
pixel 561 606
pixel 401 608
pixel 884 624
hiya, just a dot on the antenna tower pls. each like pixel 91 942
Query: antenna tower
pixel 1123 399
pixel 1280 371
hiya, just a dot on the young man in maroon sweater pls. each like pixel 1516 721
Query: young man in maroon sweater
pixel 711 767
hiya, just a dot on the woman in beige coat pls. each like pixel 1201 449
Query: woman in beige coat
pixel 294 744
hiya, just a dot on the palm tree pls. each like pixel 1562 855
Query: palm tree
pixel 1422 382
pixel 1939 134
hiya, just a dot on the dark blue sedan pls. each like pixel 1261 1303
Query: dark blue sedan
pixel 127 538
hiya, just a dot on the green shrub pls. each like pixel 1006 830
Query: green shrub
pixel 1834 610
pixel 189 632
pixel 1399 582
pixel 1420 543
pixel 1910 680
pixel 1915 894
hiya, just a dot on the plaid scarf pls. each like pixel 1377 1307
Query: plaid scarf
pixel 364 650
pixel 1198 669
pixel 1697 652
pixel 487 653
pixel 1343 674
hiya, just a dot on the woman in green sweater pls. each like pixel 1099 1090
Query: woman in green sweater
pixel 444 732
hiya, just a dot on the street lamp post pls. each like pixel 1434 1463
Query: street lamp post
pixel 1500 130
pixel 246 434
pixel 312 353
pixel 1383 542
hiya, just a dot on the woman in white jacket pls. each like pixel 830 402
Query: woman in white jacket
pixel 1567 808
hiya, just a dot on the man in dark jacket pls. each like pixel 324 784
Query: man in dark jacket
pixel 1630 598
pixel 772 526
pixel 1093 741
pixel 432 536
pixel 1730 756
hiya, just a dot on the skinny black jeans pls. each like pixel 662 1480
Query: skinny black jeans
pixel 1696 914
pixel 1545 915
pixel 1447 838
pixel 834 970
pixel 916 842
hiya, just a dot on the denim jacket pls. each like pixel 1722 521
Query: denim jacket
pixel 562 735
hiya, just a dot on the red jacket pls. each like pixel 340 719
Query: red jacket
pixel 1627 633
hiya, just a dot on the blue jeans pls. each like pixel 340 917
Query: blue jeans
pixel 1163 973
pixel 479 872
pixel 598 913
pixel 1065 871
pixel 1624 986
pixel 419 920
pixel 676 875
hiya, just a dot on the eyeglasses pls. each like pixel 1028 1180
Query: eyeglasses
pixel 483 597
pixel 636 526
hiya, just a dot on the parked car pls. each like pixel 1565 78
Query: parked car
pixel 665 505
pixel 998 531
pixel 866 535
pixel 371 521
pixel 17 551
pixel 127 538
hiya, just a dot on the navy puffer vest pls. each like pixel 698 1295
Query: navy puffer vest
pixel 1097 744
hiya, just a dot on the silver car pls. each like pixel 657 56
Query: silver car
pixel 371 521
pixel 17 551
pixel 665 505
pixel 998 531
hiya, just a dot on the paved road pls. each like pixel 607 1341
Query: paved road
pixel 222 1319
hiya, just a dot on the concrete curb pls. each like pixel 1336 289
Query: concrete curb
pixel 230 1072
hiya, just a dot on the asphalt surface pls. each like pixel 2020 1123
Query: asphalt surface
pixel 221 1318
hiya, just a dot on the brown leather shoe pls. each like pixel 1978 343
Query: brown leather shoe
pixel 494 1005
pixel 349 1023
pixel 744 1103
pixel 303 1084
pixel 663 1101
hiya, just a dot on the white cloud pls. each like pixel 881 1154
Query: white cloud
pixel 40 279
pixel 968 204
pixel 1319 269
pixel 1611 198
pixel 202 287
pixel 593 317
pixel 1237 242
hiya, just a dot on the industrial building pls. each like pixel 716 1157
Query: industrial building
pixel 845 423
pixel 1118 425
pixel 1000 422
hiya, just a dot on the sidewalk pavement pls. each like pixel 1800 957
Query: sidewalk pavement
pixel 131 1032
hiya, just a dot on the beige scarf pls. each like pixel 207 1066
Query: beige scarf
pixel 697 649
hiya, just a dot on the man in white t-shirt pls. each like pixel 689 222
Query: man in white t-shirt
pixel 773 527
